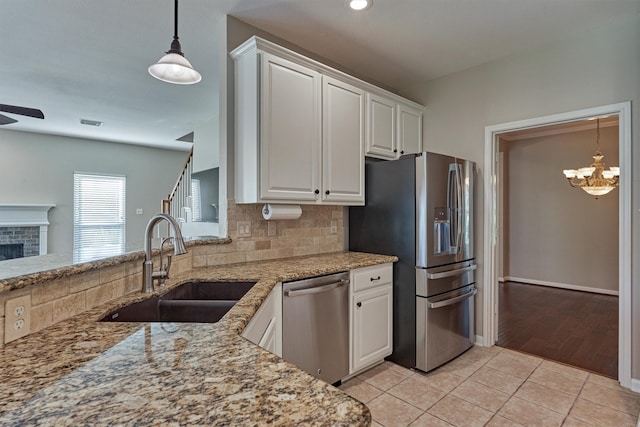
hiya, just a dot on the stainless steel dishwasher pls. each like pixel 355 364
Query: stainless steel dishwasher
pixel 315 325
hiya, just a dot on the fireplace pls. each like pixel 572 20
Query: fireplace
pixel 11 251
pixel 23 230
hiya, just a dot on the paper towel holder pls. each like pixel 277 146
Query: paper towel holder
pixel 282 211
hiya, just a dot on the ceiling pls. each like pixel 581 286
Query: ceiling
pixel 88 59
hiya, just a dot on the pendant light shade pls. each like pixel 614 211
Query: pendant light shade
pixel 174 67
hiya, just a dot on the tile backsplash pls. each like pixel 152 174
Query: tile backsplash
pixel 308 235
pixel 320 229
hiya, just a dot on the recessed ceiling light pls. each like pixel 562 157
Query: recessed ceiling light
pixel 360 4
pixel 91 122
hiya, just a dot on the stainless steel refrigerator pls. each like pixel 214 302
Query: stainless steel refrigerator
pixel 420 208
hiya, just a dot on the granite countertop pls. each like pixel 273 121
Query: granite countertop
pixel 85 372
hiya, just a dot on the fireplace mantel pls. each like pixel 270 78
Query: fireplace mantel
pixel 27 215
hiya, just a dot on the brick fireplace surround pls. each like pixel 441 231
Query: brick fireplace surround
pixel 25 225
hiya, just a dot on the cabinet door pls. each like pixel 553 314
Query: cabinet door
pixel 290 131
pixel 265 328
pixel 381 126
pixel 372 326
pixel 342 142
pixel 409 129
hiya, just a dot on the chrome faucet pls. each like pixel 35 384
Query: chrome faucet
pixel 179 248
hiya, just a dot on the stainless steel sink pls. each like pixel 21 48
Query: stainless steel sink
pixel 198 302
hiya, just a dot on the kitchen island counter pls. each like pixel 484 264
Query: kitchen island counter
pixel 84 372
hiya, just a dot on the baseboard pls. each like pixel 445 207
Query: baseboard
pixel 501 279
pixel 561 285
pixel 479 341
pixel 635 385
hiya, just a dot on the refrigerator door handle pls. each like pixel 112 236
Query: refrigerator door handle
pixel 450 273
pixel 452 301
pixel 459 207
pixel 454 203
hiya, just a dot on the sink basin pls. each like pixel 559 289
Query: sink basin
pixel 198 302
pixel 209 291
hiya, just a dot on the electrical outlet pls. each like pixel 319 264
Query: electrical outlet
pixel 244 228
pixel 334 226
pixel 139 211
pixel 17 322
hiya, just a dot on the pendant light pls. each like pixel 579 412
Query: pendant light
pixel 174 67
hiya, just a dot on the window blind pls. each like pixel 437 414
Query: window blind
pixel 98 216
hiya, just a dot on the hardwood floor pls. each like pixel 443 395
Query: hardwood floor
pixel 571 327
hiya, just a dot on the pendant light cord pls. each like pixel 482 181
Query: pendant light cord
pixel 175 44
pixel 175 21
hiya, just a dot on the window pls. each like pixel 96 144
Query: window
pixel 98 216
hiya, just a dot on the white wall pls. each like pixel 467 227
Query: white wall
pixel 556 233
pixel 38 168
pixel 596 68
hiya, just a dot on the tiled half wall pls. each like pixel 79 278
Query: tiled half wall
pixel 56 300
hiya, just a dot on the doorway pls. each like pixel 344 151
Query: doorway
pixel 558 247
pixel 492 217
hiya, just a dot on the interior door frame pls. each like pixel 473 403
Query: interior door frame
pixel 491 213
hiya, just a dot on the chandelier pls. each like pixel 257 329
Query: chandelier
pixel 594 179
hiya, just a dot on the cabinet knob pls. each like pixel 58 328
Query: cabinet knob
pixel 359 304
pixel 402 152
pixel 395 150
pixel 317 191
pixel 327 192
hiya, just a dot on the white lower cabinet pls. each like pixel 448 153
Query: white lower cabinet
pixel 265 328
pixel 371 317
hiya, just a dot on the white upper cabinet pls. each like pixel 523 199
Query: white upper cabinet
pixel 381 126
pixel 409 135
pixel 394 127
pixel 342 142
pixel 290 131
pixel 301 128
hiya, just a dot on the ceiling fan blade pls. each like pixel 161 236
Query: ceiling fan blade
pixel 4 120
pixel 23 111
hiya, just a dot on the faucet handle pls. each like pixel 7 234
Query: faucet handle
pixel 168 266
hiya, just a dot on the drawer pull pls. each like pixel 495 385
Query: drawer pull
pixel 452 301
pixel 373 279
pixel 451 273
pixel 359 304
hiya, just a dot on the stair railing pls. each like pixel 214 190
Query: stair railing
pixel 180 196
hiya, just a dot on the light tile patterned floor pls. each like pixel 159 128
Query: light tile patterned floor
pixel 494 387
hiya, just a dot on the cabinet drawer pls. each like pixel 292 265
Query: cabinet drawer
pixel 371 277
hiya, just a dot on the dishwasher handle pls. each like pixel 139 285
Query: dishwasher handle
pixel 452 301
pixel 450 273
pixel 316 289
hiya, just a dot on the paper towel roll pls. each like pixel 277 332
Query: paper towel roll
pixel 273 212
